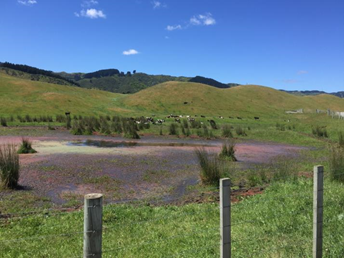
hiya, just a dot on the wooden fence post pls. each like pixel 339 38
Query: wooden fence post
pixel 225 218
pixel 318 193
pixel 93 212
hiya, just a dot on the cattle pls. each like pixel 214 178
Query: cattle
pixel 67 113
pixel 256 118
pixel 239 117
pixel 230 117
pixel 185 103
pixel 221 117
pixel 177 120
pixel 202 116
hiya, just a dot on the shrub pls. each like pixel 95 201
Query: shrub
pixel 3 121
pixel 130 130
pixel 28 119
pixel 26 147
pixel 68 123
pixel 173 129
pixel 77 128
pixel 226 131
pixel 240 131
pixel 183 129
pixel 188 133
pixel 213 124
pixel 211 167
pixel 205 131
pixel 336 162
pixel 228 150
pixel 320 132
pixel 280 127
pixel 195 124
pixel 9 166
pixel 341 139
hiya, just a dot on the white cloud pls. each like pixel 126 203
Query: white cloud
pixel 171 28
pixel 195 21
pixel 156 4
pixel 27 2
pixel 206 19
pixel 302 72
pixel 89 3
pixel 91 13
pixel 130 52
pixel 198 20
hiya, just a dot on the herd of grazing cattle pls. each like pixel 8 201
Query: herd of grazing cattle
pixel 177 118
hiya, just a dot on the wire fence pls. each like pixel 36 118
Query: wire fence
pixel 150 228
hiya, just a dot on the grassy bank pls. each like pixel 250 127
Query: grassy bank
pixel 277 223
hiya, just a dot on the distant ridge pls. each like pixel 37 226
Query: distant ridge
pixel 339 94
pixel 209 81
pixel 36 71
pixel 117 81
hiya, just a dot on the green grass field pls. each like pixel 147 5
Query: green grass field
pixel 277 223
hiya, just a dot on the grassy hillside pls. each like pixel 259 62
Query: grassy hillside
pixel 246 100
pixel 20 96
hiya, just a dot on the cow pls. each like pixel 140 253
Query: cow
pixel 202 116
pixel 239 117
pixel 256 118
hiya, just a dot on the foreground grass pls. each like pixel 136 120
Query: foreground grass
pixel 277 223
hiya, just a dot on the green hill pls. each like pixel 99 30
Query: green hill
pixel 24 96
pixel 19 96
pixel 242 100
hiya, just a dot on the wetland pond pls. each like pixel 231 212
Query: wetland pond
pixel 66 168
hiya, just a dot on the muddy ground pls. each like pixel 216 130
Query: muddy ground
pixel 67 167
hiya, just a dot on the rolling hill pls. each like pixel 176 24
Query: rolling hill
pixel 20 96
pixel 24 96
pixel 195 98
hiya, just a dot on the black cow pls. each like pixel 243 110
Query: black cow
pixel 239 117
pixel 256 118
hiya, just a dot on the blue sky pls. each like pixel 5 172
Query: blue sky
pixel 284 44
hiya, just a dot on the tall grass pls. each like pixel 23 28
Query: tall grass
pixel 3 121
pixel 9 166
pixel 240 131
pixel 173 129
pixel 211 167
pixel 226 131
pixel 341 139
pixel 336 162
pixel 320 131
pixel 26 147
pixel 228 150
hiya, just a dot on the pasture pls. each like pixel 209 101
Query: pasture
pixel 139 151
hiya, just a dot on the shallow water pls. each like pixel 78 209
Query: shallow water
pixel 126 144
